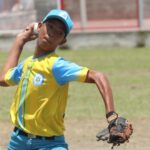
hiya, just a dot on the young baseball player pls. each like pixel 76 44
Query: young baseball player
pixel 42 80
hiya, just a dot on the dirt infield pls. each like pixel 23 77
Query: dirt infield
pixel 80 134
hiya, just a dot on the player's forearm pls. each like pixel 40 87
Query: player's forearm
pixel 106 92
pixel 104 88
pixel 12 59
pixel 14 54
pixel 16 49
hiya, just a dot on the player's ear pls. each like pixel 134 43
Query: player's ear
pixel 63 41
pixel 39 25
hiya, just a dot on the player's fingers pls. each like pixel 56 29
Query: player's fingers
pixel 33 37
pixel 29 27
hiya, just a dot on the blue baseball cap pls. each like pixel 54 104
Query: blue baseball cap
pixel 62 16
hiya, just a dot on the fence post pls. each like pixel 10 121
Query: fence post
pixel 60 4
pixel 83 14
pixel 141 13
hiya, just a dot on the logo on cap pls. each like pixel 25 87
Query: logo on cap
pixel 64 15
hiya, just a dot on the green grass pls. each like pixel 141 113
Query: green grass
pixel 128 71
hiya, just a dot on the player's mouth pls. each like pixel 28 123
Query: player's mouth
pixel 47 40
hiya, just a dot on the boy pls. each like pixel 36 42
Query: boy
pixel 38 107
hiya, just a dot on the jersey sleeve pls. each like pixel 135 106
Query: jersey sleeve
pixel 13 75
pixel 65 71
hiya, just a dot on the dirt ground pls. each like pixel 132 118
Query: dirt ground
pixel 80 134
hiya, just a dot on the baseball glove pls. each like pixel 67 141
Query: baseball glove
pixel 117 132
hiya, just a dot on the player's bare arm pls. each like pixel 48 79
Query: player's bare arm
pixel 104 88
pixel 118 130
pixel 15 51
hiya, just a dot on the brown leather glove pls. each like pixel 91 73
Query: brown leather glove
pixel 118 132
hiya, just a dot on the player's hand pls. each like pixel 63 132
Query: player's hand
pixel 118 132
pixel 27 34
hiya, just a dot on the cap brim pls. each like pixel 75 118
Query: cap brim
pixel 59 18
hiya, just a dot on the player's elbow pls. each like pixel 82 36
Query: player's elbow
pixel 1 77
pixel 94 76
pixel 100 77
pixel 2 80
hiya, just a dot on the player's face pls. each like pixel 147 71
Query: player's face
pixel 51 34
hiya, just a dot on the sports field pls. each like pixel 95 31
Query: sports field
pixel 128 71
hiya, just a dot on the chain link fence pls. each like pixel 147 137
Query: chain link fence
pixel 88 15
pixel 108 14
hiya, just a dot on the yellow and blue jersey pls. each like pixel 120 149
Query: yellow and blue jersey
pixel 40 100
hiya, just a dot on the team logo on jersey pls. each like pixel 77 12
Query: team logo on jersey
pixel 38 80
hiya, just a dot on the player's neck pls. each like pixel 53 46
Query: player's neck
pixel 40 52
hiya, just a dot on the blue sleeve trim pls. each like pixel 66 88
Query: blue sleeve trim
pixel 65 71
pixel 16 73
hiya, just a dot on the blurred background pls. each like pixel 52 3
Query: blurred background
pixel 87 14
pixel 125 21
pixel 111 36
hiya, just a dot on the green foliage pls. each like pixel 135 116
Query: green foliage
pixel 128 71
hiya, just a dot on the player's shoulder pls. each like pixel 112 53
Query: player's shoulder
pixel 61 61
pixel 26 61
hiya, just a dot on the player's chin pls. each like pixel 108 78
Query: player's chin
pixel 46 46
